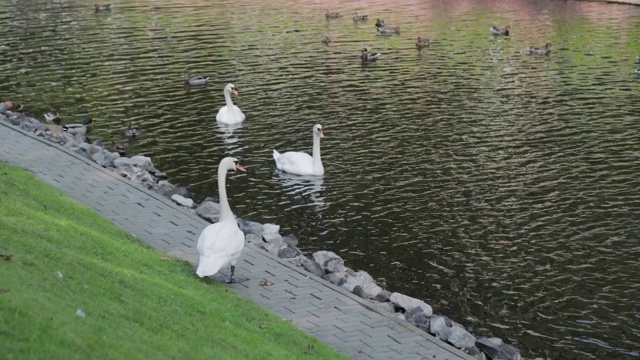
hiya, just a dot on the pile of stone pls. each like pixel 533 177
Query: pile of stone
pixel 324 264
pixel 139 169
pixel 331 267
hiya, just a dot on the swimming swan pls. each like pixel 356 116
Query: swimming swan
pixel 230 114
pixel 301 163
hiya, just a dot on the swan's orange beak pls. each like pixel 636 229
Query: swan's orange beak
pixel 234 91
pixel 321 133
pixel 240 168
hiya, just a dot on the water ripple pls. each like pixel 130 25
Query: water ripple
pixel 498 186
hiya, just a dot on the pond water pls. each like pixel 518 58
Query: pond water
pixel 500 187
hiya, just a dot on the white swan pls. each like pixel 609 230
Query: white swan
pixel 300 163
pixel 221 243
pixel 230 114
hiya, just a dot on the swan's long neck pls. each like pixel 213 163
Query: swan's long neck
pixel 225 209
pixel 227 99
pixel 317 161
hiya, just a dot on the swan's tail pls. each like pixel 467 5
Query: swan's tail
pixel 276 155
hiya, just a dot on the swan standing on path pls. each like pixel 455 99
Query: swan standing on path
pixel 221 243
pixel 230 114
pixel 300 163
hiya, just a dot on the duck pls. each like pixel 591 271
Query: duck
pixel 332 15
pixel 638 72
pixel 365 55
pixel 357 17
pixel 102 7
pixel 131 131
pixel 545 50
pixel 379 23
pixel 52 117
pixel 500 31
pixel 230 114
pixel 422 43
pixel 300 163
pixel 79 129
pixel 221 243
pixel 388 30
pixel 10 105
pixel 197 80
pixel 326 40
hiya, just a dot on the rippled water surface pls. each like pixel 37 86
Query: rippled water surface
pixel 500 187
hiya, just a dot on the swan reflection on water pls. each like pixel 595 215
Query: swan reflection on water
pixel 309 188
pixel 229 138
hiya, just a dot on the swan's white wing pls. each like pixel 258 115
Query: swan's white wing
pixel 231 115
pixel 295 162
pixel 219 244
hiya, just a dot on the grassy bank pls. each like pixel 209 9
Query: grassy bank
pixel 74 286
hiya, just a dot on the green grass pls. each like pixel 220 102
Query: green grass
pixel 139 303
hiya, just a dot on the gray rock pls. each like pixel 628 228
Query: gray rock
pixel 291 240
pixel 94 148
pixel 121 162
pixel 28 125
pixel 260 245
pixel 460 338
pixel 80 151
pixel 273 238
pixel 103 158
pixel 372 290
pixel 408 303
pixel 439 326
pixel 330 262
pixel 296 261
pixel 270 229
pixel 359 291
pixel 142 162
pixel 336 278
pixel 3 118
pixel 288 252
pixel 312 267
pixel 98 157
pixel 424 326
pixel 159 175
pixel 143 177
pixel 383 296
pixel 208 210
pixel 385 306
pixel 180 190
pixel 253 239
pixel 361 278
pixel 475 352
pixel 127 172
pixel 498 350
pixel 182 201
pixel 212 199
pixel 274 247
pixel 17 118
pixel 250 227
pixel 165 186
pixel 421 319
pixel 70 140
pixel 411 314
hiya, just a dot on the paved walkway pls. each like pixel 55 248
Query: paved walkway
pixel 327 312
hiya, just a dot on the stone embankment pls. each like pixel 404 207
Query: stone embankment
pixel 324 264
